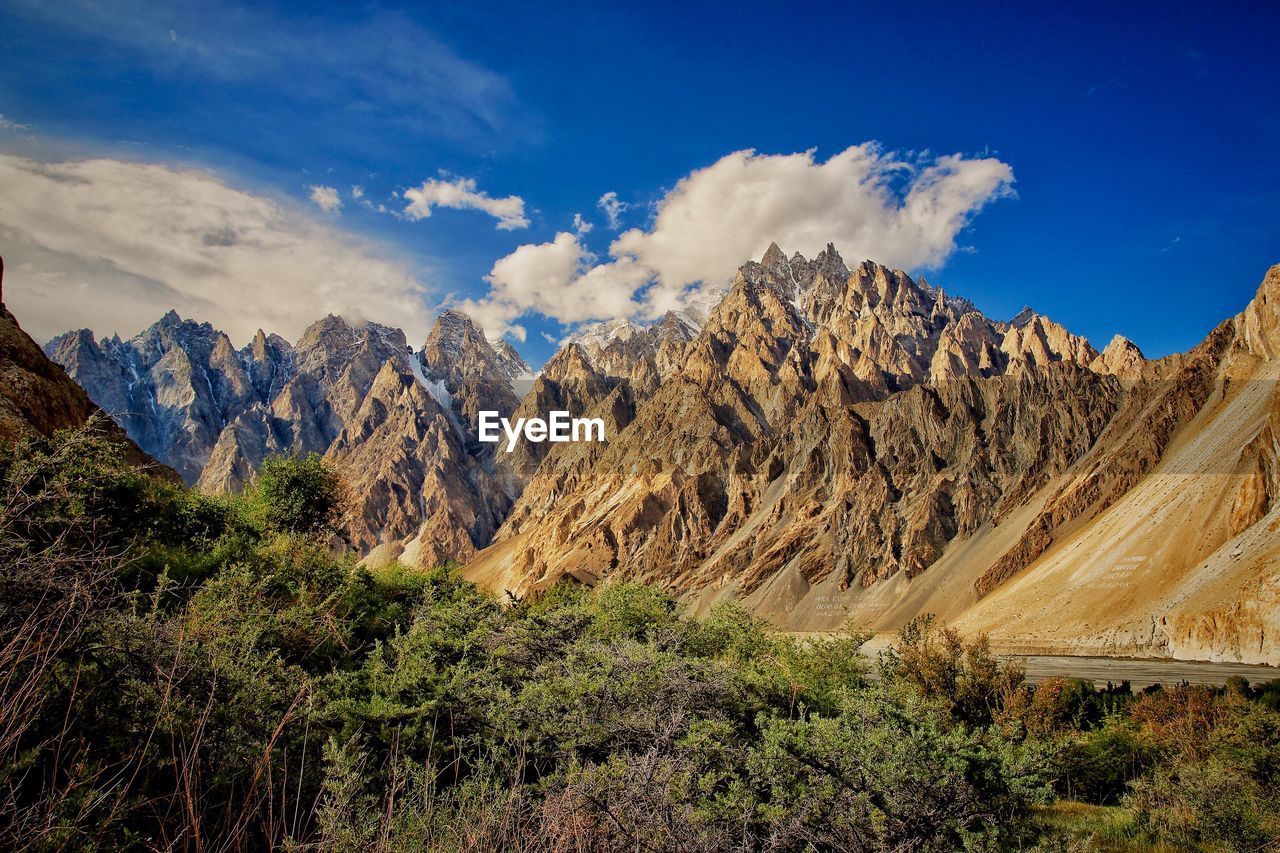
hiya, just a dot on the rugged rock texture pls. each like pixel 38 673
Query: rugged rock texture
pixel 467 374
pixel 37 396
pixel 845 443
pixel 803 431
pixel 640 355
pixel 828 444
pixel 396 423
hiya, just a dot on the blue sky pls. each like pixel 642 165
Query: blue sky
pixel 1143 148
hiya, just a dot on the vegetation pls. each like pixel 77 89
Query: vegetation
pixel 186 672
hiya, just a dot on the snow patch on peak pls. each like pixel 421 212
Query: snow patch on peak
pixel 603 334
pixel 438 392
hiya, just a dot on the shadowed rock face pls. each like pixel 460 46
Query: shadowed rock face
pixel 37 396
pixel 393 421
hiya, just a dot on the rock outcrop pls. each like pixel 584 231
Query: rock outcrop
pixel 38 397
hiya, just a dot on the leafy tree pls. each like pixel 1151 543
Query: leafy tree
pixel 300 495
pixel 934 661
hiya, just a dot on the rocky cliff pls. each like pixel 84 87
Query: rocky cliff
pixel 37 396
pixel 845 444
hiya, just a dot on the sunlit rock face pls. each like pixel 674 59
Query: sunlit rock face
pixel 845 443
pixel 828 443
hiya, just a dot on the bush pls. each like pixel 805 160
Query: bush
pixel 299 495
pixel 181 671
pixel 937 664
pixel 1099 765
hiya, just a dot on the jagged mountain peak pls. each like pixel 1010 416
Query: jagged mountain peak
pixel 1121 344
pixel 829 260
pixel 262 342
pixel 606 332
pixel 452 327
pixel 773 256
pixel 1121 357
pixel 1023 317
pixel 1259 324
pixel 327 325
pixel 75 337
pixel 513 364
pixel 641 352
pixel 568 361
pixel 455 338
pixel 330 344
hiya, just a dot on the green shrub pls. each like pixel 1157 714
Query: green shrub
pixel 300 495
pixel 937 664
pixel 183 671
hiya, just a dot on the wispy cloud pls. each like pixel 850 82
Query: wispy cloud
pixel 7 123
pixel 462 194
pixel 380 65
pixel 109 245
pixel 612 209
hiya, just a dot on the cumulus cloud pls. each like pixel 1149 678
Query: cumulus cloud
pixel 871 204
pixel 326 198
pixel 560 279
pixel 461 194
pixel 612 209
pixel 110 245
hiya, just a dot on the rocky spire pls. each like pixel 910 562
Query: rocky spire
pixel 1120 358
pixel 773 256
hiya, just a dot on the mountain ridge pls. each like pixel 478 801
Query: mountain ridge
pixel 827 444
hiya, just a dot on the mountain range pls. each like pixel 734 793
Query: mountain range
pixel 830 445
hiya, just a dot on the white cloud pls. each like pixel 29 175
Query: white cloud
pixel 326 198
pixel 461 194
pixel 870 204
pixel 559 279
pixel 580 225
pixel 110 245
pixel 613 209
pixel 7 123
pixel 357 192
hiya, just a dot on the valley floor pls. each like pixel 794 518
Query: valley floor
pixel 1140 672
